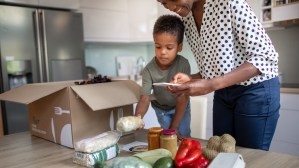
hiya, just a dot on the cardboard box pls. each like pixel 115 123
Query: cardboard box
pixel 65 113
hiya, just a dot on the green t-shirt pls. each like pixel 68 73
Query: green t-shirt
pixel 162 98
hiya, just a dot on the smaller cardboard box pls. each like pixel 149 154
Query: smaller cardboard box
pixel 65 113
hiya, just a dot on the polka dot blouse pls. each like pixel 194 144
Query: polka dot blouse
pixel 230 35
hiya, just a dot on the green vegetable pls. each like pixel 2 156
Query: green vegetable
pixel 164 162
pixel 152 156
pixel 128 162
pixel 99 164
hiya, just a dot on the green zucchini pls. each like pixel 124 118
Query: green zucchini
pixel 152 156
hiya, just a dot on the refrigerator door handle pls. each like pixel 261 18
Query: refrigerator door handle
pixel 38 41
pixel 43 20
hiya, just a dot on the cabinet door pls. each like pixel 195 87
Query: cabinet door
pixel 285 12
pixel 112 5
pixel 105 25
pixel 286 136
pixel 66 4
pixel 105 21
pixel 142 16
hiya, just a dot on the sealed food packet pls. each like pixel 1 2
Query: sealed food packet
pixel 90 159
pixel 98 142
pixel 129 123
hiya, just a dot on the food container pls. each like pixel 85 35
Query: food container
pixel 154 137
pixel 168 140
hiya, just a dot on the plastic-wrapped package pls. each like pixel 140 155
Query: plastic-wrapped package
pixel 129 123
pixel 90 159
pixel 128 162
pixel 98 142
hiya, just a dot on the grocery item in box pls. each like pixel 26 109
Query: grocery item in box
pixel 129 123
pixel 98 142
pixel 90 159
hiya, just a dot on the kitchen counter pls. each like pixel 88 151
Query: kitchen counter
pixel 289 88
pixel 24 150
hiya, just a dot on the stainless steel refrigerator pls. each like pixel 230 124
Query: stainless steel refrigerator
pixel 37 45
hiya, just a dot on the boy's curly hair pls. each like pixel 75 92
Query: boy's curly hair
pixel 170 24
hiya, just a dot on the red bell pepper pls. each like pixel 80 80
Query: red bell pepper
pixel 188 152
pixel 201 162
pixel 184 148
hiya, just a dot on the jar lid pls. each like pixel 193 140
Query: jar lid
pixel 155 129
pixel 169 132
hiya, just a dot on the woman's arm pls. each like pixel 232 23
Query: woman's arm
pixel 204 86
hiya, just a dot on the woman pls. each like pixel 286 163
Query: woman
pixel 237 60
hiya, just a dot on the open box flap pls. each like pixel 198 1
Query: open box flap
pixel 108 95
pixel 29 93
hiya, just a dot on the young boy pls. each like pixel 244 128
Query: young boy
pixel 172 112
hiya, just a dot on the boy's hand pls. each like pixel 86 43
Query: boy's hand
pixel 142 126
pixel 181 78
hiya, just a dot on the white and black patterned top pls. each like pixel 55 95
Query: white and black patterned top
pixel 230 35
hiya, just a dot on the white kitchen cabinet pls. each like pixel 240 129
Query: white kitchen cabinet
pixel 286 137
pixel 285 12
pixel 105 25
pixel 142 16
pixel 111 5
pixel 198 105
pixel 119 20
pixel 209 128
pixel 105 21
pixel 65 4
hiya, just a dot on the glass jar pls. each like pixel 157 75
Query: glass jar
pixel 153 137
pixel 168 140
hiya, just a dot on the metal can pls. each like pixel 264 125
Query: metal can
pixel 154 137
pixel 169 141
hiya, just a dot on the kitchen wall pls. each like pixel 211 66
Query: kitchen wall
pixel 286 44
pixel 102 55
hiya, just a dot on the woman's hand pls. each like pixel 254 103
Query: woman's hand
pixel 194 87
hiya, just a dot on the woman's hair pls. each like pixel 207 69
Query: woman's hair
pixel 170 24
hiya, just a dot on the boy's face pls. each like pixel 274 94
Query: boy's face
pixel 166 49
